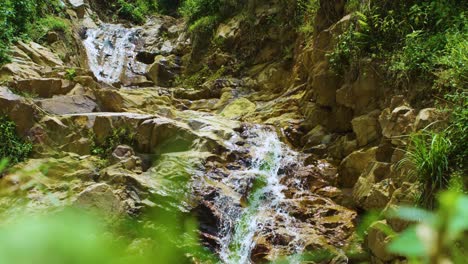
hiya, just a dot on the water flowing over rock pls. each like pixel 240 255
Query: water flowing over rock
pixel 112 53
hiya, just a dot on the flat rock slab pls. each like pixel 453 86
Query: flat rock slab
pixel 61 105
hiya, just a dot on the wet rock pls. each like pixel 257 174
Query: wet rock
pixel 354 165
pixel 61 105
pixel 238 108
pixel 315 137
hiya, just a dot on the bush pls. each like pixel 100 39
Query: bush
pixel 423 39
pixel 12 147
pixel 49 23
pixel 17 18
pixel 427 155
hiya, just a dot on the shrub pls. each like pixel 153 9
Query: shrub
pixel 12 147
pixel 118 137
pixel 423 39
pixel 47 24
pixel 428 155
pixel 16 18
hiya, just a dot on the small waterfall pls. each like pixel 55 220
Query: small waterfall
pixel 111 51
pixel 265 208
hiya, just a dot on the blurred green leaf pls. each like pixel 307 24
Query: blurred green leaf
pixel 408 244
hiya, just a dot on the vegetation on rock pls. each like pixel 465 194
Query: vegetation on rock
pixel 12 147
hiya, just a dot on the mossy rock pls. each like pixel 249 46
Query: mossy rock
pixel 239 108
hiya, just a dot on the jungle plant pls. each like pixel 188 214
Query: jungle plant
pixel 427 155
pixel 12 147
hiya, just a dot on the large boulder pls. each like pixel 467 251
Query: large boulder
pixel 100 198
pixel 354 165
pixel 40 54
pixel 238 108
pixel 366 128
pixel 19 110
pixel 61 105
pixel 397 120
pixel 164 70
pixel 43 87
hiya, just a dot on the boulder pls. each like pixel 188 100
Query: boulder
pixel 60 105
pixel 100 198
pixel 315 137
pixel 366 128
pixel 429 117
pixel 19 110
pixel 378 239
pixel 397 122
pixel 361 95
pixel 43 87
pixel 354 165
pixel 163 71
pixel 40 54
pixel 238 108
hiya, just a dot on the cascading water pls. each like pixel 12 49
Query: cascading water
pixel 111 51
pixel 269 157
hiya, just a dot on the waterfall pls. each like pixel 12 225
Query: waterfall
pixel 269 157
pixel 111 51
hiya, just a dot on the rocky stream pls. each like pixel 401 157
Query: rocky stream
pixel 274 161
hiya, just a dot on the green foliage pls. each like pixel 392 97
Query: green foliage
pixel 118 137
pixel 437 237
pixel 12 147
pixel 457 132
pixel 19 17
pixel 427 154
pixel 424 39
pixel 161 237
pixel 306 11
pixel 49 23
pixel 70 74
pixel 131 12
pixel 204 16
pixel 204 26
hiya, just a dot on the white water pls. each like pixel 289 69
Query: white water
pixel 269 157
pixel 111 52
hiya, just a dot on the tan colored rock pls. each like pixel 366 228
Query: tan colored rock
pixel 19 110
pixel 397 122
pixel 354 165
pixel 100 198
pixel 366 128
pixel 163 71
pixel 361 96
pixel 378 241
pixel 61 105
pixel 315 137
pixel 324 85
pixel 40 54
pixel 429 117
pixel 44 87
